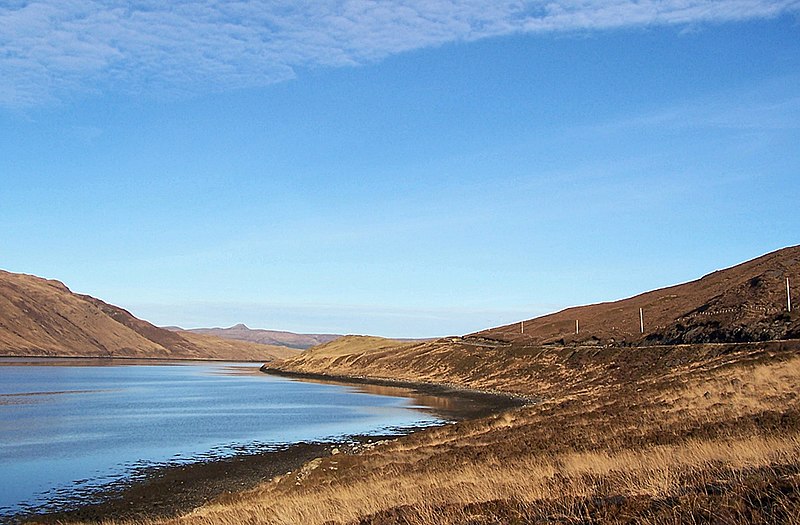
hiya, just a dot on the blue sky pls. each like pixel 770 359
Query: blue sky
pixel 394 168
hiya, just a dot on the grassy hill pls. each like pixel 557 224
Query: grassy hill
pixel 651 435
pixel 695 421
pixel 746 303
pixel 40 317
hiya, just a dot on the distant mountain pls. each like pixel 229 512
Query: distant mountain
pixel 241 332
pixel 40 317
pixel 740 304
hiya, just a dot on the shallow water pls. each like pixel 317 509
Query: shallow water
pixel 70 427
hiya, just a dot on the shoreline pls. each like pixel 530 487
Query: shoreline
pixel 171 490
pixel 486 402
pixel 165 491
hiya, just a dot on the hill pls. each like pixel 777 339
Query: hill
pixel 544 357
pixel 627 431
pixel 40 317
pixel 621 427
pixel 241 332
pixel 744 303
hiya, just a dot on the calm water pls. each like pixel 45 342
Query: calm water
pixel 69 427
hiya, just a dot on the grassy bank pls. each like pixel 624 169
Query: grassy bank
pixel 694 434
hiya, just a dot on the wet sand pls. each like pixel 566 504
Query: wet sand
pixel 167 491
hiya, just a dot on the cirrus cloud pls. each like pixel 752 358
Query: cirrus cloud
pixel 50 49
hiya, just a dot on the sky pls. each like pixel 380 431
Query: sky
pixel 397 168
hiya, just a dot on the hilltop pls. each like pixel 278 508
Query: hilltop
pixel 41 317
pixel 241 332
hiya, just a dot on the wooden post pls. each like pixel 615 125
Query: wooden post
pixel 641 320
pixel 522 327
pixel 576 327
pixel 788 296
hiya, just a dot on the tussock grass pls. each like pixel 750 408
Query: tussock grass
pixel 740 390
pixel 532 483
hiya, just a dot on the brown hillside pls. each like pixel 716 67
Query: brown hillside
pixel 651 434
pixel 40 317
pixel 700 312
pixel 526 370
pixel 744 303
pixel 654 434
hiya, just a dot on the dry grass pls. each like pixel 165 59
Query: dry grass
pixel 740 390
pixel 658 472
pixel 713 441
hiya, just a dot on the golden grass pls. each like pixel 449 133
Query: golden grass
pixel 739 391
pixel 658 472
pixel 696 445
pixel 354 344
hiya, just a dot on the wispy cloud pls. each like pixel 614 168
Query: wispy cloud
pixel 769 106
pixel 50 49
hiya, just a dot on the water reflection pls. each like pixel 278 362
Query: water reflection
pixel 445 403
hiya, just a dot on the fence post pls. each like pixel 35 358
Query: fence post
pixel 641 320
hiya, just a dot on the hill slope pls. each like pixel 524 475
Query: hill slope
pixel 744 303
pixel 651 434
pixel 241 332
pixel 40 317
pixel 545 358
